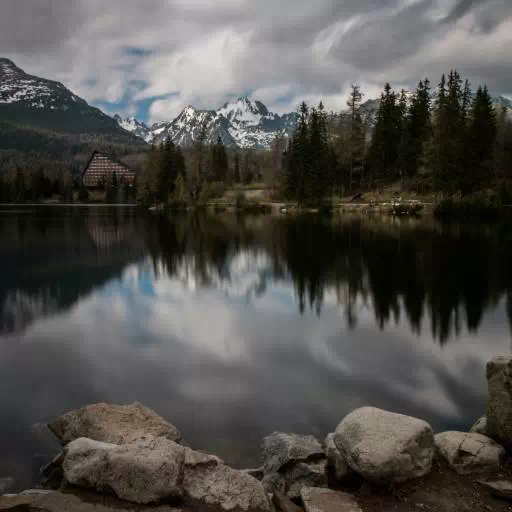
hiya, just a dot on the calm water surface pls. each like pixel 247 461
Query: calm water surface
pixel 233 327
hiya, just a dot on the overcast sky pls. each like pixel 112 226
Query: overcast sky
pixel 151 58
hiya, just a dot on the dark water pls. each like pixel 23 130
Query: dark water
pixel 233 327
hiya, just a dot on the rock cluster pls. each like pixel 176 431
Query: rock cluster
pixel 133 454
pixel 130 453
pixel 292 462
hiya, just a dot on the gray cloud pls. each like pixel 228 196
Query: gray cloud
pixel 208 51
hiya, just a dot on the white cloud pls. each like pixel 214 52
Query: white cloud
pixel 205 52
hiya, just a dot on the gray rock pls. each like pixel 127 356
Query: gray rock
pixel 116 424
pixel 335 458
pixel 280 449
pixel 284 504
pixel 145 471
pixel 302 474
pixel 154 469
pixel 469 453
pixel 384 447
pixel 501 489
pixel 212 484
pixel 59 502
pixel 6 485
pixel 274 482
pixel 325 500
pixel 499 407
pixel 256 473
pixel 52 475
pixel 480 427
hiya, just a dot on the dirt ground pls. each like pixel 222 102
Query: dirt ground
pixel 441 491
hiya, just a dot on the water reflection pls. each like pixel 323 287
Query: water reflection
pixel 234 327
pixel 451 274
pixel 50 258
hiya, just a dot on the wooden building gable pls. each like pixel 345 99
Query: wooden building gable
pixel 101 168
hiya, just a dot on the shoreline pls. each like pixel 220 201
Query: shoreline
pixel 375 460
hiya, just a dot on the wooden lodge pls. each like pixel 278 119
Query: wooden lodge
pixel 102 169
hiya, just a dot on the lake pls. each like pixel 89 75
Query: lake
pixel 232 327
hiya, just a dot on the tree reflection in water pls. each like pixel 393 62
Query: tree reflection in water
pixel 448 275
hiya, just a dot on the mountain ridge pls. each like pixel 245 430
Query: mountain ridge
pixel 242 123
pixel 43 123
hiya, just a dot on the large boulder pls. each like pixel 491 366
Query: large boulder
pixel 469 453
pixel 208 482
pixel 499 406
pixel 335 458
pixel 384 447
pixel 145 471
pixel 116 424
pixel 154 469
pixel 280 449
pixel 325 500
pixel 291 462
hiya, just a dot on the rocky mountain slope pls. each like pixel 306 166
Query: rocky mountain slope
pixel 242 123
pixel 41 120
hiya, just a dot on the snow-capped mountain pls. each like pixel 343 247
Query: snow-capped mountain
pixel 44 123
pixel 20 89
pixel 243 123
pixel 138 128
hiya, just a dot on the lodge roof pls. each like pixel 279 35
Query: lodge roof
pixel 104 165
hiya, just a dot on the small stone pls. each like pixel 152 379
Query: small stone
pixel 6 485
pixel 274 482
pixel 280 449
pixel 256 473
pixel 325 500
pixel 284 504
pixel 469 453
pixel 501 489
pixel 480 427
pixel 302 475
pixel 335 458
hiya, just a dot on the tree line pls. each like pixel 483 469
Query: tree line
pixel 444 139
pixel 183 176
pixel 447 141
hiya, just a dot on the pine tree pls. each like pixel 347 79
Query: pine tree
pixel 481 141
pixel 316 178
pixel 357 137
pixel 219 159
pixel 237 176
pixel 448 157
pixel 418 124
pixel 19 185
pixel 384 150
pixel 168 170
pixel 297 165
pixel 148 180
pixel 179 162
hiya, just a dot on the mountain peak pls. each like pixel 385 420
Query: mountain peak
pixel 243 123
pixel 9 70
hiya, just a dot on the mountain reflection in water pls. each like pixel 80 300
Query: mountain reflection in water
pixel 233 327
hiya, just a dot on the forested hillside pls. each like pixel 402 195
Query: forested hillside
pixel 43 124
